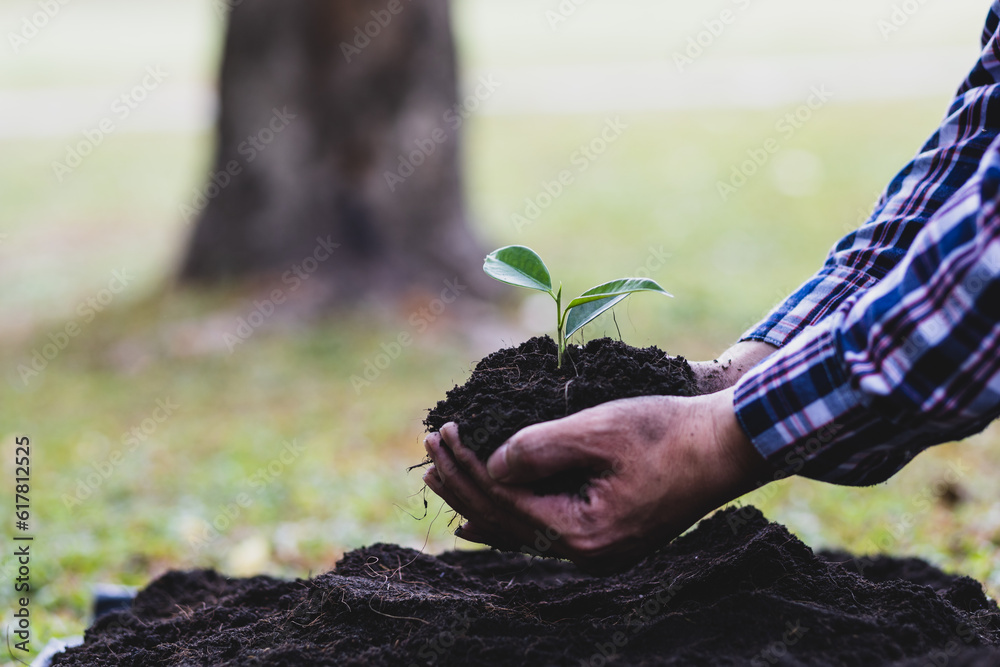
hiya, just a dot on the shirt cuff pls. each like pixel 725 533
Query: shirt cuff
pixel 787 400
pixel 811 303
pixel 801 413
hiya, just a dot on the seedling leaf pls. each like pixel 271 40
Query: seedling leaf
pixel 519 266
pixel 619 287
pixel 585 313
pixel 589 305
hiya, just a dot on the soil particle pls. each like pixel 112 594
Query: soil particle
pixel 737 590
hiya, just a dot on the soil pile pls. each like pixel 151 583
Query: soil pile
pixel 737 590
pixel 521 386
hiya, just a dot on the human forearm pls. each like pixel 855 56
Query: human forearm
pixel 731 365
pixel 913 362
pixel 865 256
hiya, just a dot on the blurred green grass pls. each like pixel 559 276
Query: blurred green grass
pixel 728 262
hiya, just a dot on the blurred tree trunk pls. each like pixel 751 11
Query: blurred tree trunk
pixel 320 99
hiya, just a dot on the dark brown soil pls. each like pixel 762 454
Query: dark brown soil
pixel 735 591
pixel 517 387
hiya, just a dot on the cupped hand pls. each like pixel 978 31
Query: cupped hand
pixel 655 464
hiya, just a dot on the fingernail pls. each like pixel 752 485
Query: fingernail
pixel 497 466
pixel 449 433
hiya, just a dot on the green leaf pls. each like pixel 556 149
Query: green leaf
pixel 618 287
pixel 519 266
pixel 595 301
pixel 584 314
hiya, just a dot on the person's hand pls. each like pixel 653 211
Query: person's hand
pixel 656 465
pixel 726 371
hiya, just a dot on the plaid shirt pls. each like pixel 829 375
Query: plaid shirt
pixel 894 345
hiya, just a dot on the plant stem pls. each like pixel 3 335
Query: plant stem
pixel 560 326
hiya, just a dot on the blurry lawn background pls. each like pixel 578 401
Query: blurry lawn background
pixel 727 262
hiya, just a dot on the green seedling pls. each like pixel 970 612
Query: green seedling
pixel 522 267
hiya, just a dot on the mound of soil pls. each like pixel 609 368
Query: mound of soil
pixel 521 386
pixel 737 590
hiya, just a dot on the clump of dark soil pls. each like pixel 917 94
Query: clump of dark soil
pixel 518 387
pixel 737 590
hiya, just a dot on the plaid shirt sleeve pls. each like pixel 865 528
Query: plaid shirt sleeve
pixel 945 163
pixel 911 362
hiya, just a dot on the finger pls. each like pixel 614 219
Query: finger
pixel 476 469
pixel 470 532
pixel 431 473
pixel 477 535
pixel 543 450
pixel 462 488
pixel 513 511
pixel 465 457
pixel 435 484
pixel 486 509
pixel 428 439
pixel 444 483
pixel 551 511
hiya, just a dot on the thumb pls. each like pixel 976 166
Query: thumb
pixel 542 450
